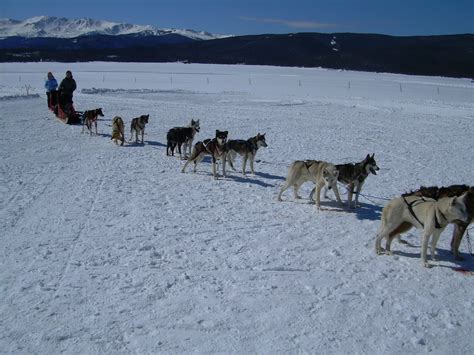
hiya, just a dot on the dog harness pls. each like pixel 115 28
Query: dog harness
pixel 412 212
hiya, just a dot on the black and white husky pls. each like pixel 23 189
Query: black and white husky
pixel 353 175
pixel 216 148
pixel 179 136
pixel 247 149
pixel 138 125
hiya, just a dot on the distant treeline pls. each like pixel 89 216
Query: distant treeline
pixel 450 55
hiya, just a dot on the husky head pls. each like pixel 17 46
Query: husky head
pixel 99 112
pixel 221 137
pixel 195 125
pixel 260 138
pixel 370 164
pixel 117 120
pixel 457 208
pixel 144 118
pixel 330 174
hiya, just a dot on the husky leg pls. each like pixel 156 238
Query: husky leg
pixel 223 159
pixel 359 189
pixel 283 189
pixel 434 241
pixel 325 194
pixel 388 244
pixel 231 157
pixel 244 164
pixel 336 192
pixel 179 151
pixel 424 246
pixel 252 159
pixel 318 196
pixel 185 146
pixel 143 133
pixel 296 188
pixel 378 240
pixel 214 167
pixel 197 160
pixel 192 158
pixel 350 189
pixel 185 165
pixel 95 123
pixel 458 233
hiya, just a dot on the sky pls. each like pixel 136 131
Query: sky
pixel 241 17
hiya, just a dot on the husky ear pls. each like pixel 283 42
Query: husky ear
pixel 373 154
pixel 217 132
pixel 226 133
pixel 193 122
pixel 368 156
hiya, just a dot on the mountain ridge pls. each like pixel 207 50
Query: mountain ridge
pixel 61 27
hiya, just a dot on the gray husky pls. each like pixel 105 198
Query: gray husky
pixel 353 175
pixel 138 125
pixel 319 172
pixel 432 216
pixel 247 149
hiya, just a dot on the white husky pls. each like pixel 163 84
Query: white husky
pixel 319 172
pixel 432 216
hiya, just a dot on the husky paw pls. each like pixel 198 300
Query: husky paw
pixel 380 251
pixel 427 265
pixel 389 252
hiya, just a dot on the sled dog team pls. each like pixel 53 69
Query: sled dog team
pixel 430 209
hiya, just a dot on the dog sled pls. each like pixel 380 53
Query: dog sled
pixel 65 112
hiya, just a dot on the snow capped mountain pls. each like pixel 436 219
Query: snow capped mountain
pixel 56 27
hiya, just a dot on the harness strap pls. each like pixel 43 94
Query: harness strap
pixel 437 225
pixel 410 208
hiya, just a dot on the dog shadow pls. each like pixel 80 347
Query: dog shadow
pixel 246 179
pixel 366 211
pixel 442 255
pixel 269 176
pixel 155 144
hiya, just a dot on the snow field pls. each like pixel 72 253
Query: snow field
pixel 111 249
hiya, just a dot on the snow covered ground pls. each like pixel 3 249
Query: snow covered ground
pixel 108 249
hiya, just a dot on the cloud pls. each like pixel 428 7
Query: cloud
pixel 307 25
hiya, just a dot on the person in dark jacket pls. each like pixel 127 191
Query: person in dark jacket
pixel 66 88
pixel 51 85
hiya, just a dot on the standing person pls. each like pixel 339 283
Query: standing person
pixel 66 88
pixel 51 85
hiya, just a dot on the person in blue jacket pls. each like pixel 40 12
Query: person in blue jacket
pixel 51 85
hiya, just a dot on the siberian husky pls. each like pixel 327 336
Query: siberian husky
pixel 436 193
pixel 138 125
pixel 432 216
pixel 216 148
pixel 247 149
pixel 178 136
pixel 353 175
pixel 90 117
pixel 319 172
pixel 118 133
